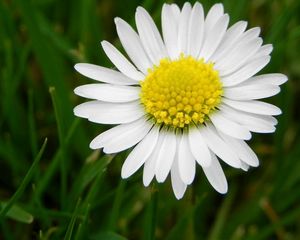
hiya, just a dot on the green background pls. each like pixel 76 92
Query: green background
pixel 63 190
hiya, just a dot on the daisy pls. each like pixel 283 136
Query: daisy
pixel 189 96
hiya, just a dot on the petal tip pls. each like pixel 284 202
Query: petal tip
pixel 198 4
pixel 124 174
pixel 277 111
pixel 179 196
pixel 160 178
pixel 78 66
pixel 117 20
pixel 146 182
pixel 187 4
pixel 223 189
pixel 76 111
pixel 140 9
pixel 103 43
pixel 77 91
pixel 284 78
pixel 248 136
pixel 94 146
pixel 256 164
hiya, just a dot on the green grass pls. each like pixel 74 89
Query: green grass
pixel 64 190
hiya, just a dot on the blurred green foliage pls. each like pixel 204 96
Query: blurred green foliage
pixel 63 190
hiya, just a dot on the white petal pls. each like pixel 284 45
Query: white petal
pixel 244 166
pixel 214 37
pixel 229 127
pixel 245 72
pixel 186 161
pixel 219 147
pixel 213 15
pixel 242 149
pixel 198 147
pixel 196 30
pixel 108 92
pixel 109 113
pixel 103 74
pixel 176 11
pixel 170 31
pixel 247 36
pixel 215 175
pixel 166 156
pixel 86 109
pixel 150 36
pixel 150 164
pixel 132 45
pixel 256 107
pixel 271 78
pixel 270 119
pixel 250 34
pixel 178 185
pixel 230 38
pixel 254 122
pixel 251 92
pixel 264 51
pixel 124 66
pixel 119 132
pixel 140 153
pixel 238 56
pixel 183 27
pixel 127 139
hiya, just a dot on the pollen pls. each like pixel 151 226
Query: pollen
pixel 181 92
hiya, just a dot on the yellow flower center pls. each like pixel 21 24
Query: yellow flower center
pixel 178 93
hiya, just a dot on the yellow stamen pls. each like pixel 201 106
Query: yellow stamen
pixel 180 92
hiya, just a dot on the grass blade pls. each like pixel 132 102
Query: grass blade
pixel 216 231
pixel 69 232
pixel 151 217
pixel 63 156
pixel 17 213
pixel 24 183
pixel 54 163
pixel 116 205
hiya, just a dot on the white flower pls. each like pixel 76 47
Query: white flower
pixel 189 97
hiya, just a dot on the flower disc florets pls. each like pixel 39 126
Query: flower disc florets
pixel 180 92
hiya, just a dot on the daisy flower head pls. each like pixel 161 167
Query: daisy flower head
pixel 185 97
